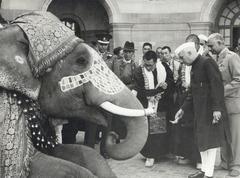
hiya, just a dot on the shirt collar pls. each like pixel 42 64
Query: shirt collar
pixel 127 62
pixel 222 54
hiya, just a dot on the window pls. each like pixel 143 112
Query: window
pixel 73 25
pixel 229 23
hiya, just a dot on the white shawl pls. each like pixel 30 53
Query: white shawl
pixel 161 77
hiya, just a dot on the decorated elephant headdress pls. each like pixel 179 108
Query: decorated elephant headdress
pixel 49 41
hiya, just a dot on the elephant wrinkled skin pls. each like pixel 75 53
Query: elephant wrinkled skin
pixel 46 89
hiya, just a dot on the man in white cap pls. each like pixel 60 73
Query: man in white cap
pixel 103 40
pixel 206 99
pixel 203 44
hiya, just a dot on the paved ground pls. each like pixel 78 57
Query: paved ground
pixel 134 168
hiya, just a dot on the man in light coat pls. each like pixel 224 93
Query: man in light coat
pixel 229 65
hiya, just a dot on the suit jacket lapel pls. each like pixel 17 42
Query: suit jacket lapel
pixel 221 56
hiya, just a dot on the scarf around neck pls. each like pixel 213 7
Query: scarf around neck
pixel 149 82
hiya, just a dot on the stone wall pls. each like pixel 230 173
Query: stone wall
pixel 159 34
pixel 162 22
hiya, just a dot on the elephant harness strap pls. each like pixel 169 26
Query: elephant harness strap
pixel 21 131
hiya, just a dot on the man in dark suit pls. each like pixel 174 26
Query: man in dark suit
pixel 153 83
pixel 206 99
pixel 125 67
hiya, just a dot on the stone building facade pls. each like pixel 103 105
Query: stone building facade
pixel 161 22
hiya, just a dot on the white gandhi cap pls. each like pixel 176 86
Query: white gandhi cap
pixel 184 46
pixel 203 37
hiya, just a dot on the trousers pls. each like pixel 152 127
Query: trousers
pixel 208 158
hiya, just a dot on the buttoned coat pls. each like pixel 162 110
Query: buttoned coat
pixel 125 71
pixel 107 57
pixel 207 95
pixel 229 65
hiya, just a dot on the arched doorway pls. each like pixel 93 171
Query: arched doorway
pixel 75 24
pixel 85 17
pixel 228 23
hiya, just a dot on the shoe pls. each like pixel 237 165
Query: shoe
pixel 199 166
pixel 177 159
pixel 149 162
pixel 117 140
pixel 183 161
pixel 198 174
pixel 234 173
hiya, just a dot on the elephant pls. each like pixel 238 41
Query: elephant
pixel 47 72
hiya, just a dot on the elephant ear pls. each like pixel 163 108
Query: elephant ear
pixel 15 73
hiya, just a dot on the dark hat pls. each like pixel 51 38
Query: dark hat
pixel 129 46
pixel 103 38
pixel 117 50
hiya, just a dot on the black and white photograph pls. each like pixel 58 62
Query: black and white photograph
pixel 119 88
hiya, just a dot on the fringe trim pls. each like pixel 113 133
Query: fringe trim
pixel 63 50
pixel 14 113
pixel 29 153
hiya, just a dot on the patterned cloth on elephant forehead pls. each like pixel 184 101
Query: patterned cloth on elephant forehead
pixel 99 75
pixel 49 39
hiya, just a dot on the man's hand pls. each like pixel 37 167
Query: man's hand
pixel 163 85
pixel 216 117
pixel 149 111
pixel 134 92
pixel 178 116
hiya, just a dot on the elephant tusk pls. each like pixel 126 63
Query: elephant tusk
pixel 114 109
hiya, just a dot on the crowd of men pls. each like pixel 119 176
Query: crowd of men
pixel 196 94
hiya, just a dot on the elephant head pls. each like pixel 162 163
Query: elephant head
pixel 42 59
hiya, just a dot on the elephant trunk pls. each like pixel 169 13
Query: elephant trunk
pixel 137 132
pixel 136 124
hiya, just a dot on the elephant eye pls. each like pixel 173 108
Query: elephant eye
pixel 81 60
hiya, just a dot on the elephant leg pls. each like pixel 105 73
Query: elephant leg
pixel 69 132
pixel 90 134
pixel 105 131
pixel 85 157
pixel 46 166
